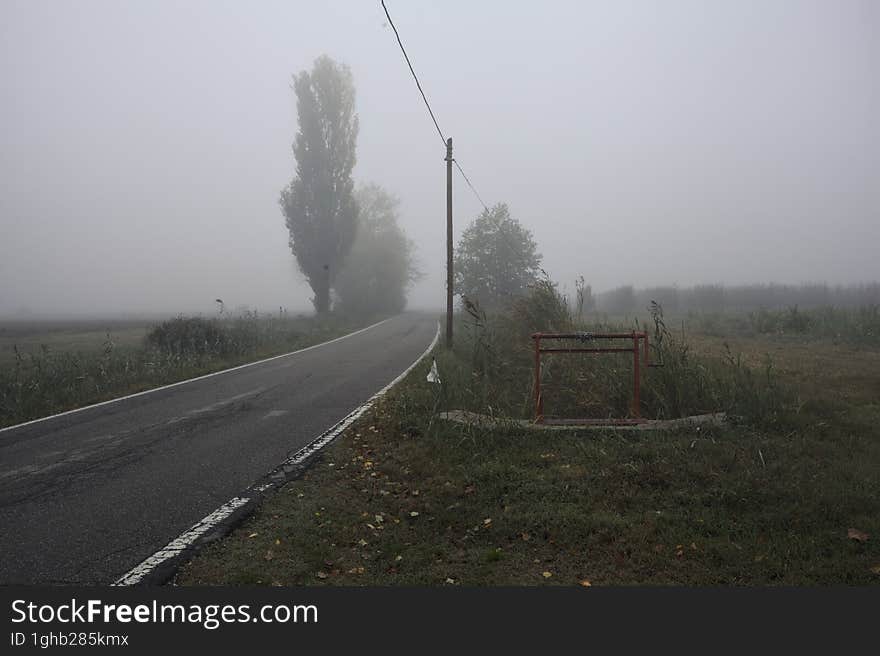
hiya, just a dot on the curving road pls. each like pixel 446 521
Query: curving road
pixel 87 495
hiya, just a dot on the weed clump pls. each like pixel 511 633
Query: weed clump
pixel 492 368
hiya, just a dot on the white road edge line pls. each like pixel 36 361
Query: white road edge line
pixel 192 380
pixel 186 539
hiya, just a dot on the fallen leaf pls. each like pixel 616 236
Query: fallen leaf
pixel 362 542
pixel 876 569
pixel 525 536
pixel 253 535
pixel 399 558
pixel 322 575
pixel 586 583
pixel 855 534
pixel 487 521
pixel 450 581
pixel 547 575
pixel 414 513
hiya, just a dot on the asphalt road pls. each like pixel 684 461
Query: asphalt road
pixel 86 496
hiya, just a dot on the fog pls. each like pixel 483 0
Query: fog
pixel 144 144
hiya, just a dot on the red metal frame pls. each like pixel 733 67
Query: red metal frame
pixel 635 349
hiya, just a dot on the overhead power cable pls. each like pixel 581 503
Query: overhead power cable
pixel 415 77
pixel 470 185
pixel 428 105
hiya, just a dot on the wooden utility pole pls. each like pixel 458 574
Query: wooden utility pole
pixel 449 243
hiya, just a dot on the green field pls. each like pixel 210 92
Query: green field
pixel 85 336
pixel 786 494
pixel 52 366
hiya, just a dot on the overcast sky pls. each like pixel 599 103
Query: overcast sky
pixel 143 145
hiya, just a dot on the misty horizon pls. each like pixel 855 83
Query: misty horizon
pixel 145 145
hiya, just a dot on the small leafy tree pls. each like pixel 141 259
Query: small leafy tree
pixel 380 267
pixel 319 204
pixel 497 258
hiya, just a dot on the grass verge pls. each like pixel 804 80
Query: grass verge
pixel 789 498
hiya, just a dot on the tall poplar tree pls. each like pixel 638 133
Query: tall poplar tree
pixel 319 206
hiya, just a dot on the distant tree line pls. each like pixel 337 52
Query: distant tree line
pixel 720 298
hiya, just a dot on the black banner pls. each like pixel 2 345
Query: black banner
pixel 147 619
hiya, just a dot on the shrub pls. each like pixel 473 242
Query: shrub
pixel 542 309
pixel 189 336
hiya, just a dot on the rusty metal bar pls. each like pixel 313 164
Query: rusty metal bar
pixel 637 379
pixel 576 350
pixel 588 335
pixel 555 421
pixel 539 400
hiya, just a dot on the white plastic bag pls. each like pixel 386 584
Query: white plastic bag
pixel 433 375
